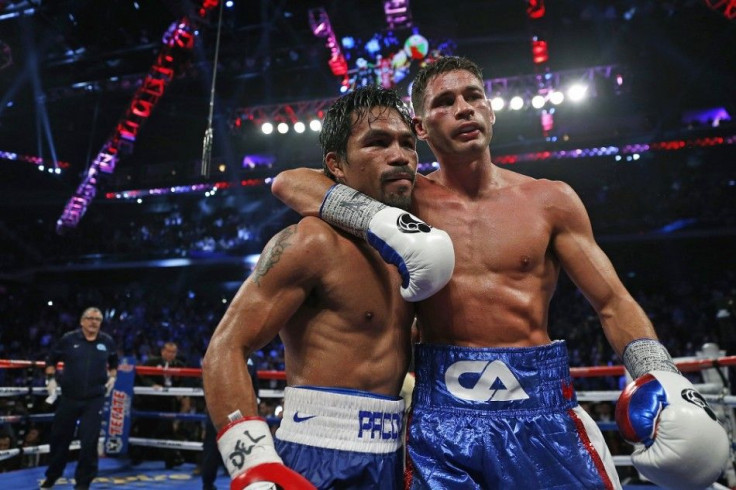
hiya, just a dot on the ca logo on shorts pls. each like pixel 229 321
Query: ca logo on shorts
pixel 494 382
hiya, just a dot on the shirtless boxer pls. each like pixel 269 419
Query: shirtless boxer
pixel 494 405
pixel 336 305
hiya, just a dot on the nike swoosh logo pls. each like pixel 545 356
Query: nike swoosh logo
pixel 299 419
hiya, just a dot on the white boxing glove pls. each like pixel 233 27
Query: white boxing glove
pixel 678 440
pixel 247 448
pixel 424 255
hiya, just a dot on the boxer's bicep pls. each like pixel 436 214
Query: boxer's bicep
pixel 282 279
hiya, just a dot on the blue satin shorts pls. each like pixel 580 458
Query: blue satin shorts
pixel 506 418
pixel 342 439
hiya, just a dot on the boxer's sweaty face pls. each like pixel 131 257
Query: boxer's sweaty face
pixel 382 158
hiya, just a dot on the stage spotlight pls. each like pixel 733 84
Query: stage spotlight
pixel 556 97
pixel 315 125
pixel 516 103
pixel 577 92
pixel 538 101
pixel 497 103
pixel 282 128
pixel 299 127
pixel 267 128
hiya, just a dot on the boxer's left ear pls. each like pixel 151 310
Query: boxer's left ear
pixel 334 164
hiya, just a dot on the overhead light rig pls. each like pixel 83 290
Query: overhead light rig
pixel 527 92
pixel 726 7
pixel 179 38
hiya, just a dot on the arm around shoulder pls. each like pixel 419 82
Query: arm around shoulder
pixel 302 189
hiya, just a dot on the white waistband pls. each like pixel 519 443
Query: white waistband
pixel 340 421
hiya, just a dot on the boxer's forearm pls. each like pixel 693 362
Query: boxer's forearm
pixel 302 189
pixel 227 385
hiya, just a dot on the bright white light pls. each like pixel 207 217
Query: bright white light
pixel 538 101
pixel 497 103
pixel 267 128
pixel 139 200
pixel 315 125
pixel 299 127
pixel 41 168
pixel 229 4
pixel 50 303
pixel 577 92
pixel 282 128
pixel 57 171
pixel 556 97
pixel 516 103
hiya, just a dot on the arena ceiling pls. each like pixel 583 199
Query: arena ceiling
pixel 68 68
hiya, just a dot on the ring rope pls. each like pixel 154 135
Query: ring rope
pixel 40 449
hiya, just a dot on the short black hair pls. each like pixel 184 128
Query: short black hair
pixel 437 67
pixel 338 122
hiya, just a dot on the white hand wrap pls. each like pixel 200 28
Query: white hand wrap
pixel 424 255
pixel 644 355
pixel 51 389
pixel 246 443
pixel 109 385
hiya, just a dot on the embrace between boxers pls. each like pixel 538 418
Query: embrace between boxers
pixel 473 251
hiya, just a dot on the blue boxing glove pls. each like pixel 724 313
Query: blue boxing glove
pixel 678 440
pixel 423 255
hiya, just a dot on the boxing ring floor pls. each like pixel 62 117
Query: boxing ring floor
pixel 120 474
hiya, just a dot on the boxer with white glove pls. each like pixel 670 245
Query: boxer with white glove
pixel 678 440
pixel 424 255
pixel 246 446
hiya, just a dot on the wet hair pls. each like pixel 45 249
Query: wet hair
pixel 338 123
pixel 437 67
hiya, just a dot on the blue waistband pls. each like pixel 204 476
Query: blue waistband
pixel 493 379
pixel 349 391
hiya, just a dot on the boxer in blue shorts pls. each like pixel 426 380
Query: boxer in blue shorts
pixel 502 418
pixel 343 313
pixel 512 236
